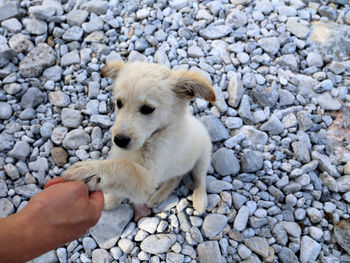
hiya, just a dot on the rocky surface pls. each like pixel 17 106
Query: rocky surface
pixel 279 183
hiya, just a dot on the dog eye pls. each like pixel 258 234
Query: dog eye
pixel 146 109
pixel 119 104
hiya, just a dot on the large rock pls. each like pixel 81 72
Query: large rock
pixel 37 60
pixel 111 225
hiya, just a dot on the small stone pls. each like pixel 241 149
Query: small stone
pixel 309 249
pixel 12 25
pixel 258 245
pixel 100 255
pixel 58 134
pixel 285 97
pixel 3 188
pixel 6 141
pixel 21 43
pixel 5 111
pixel 216 129
pixel 209 252
pixel 241 219
pixel 251 161
pixel 326 101
pixel 172 257
pixel 235 90
pixel 341 234
pixel 34 26
pixel 213 224
pixel 314 59
pixel 37 60
pixel 20 151
pixel 225 162
pixel 252 135
pixel 266 97
pixel 59 99
pixel 99 7
pixel 299 30
pixel 75 138
pixel 346 170
pixel 286 255
pixel 314 214
pixel 53 73
pixel 40 164
pixel 111 225
pixel 32 98
pixel 71 118
pixel 74 33
pixel 195 52
pixel 28 190
pixel 215 32
pixel 59 155
pixel 243 251
pixel 70 58
pixel 103 121
pixel 156 244
pixel 126 245
pixel 273 126
pixel 149 224
pixel 10 9
pixel 6 208
pixel 76 17
pixel 324 164
pixel 271 45
pixel 89 243
pixel 233 122
pixel 304 120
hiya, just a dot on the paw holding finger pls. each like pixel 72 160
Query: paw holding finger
pixel 82 171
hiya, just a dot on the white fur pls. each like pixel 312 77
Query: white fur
pixel 164 145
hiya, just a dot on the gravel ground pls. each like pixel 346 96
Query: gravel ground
pixel 279 184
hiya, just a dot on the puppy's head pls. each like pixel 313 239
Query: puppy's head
pixel 150 97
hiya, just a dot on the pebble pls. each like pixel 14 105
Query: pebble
pixel 58 134
pixel 20 151
pixel 213 224
pixel 71 118
pixel 327 102
pixel 149 224
pixel 32 98
pixel 209 251
pixel 258 245
pixel 27 191
pixel 5 111
pixel 225 162
pixel 309 249
pixel 58 98
pixel 216 129
pixel 241 219
pixel 75 138
pixel 37 60
pixel 100 255
pixel 159 243
pixel 59 155
pixel 6 208
pixel 273 126
pixel 251 161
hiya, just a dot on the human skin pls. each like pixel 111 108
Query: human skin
pixel 62 212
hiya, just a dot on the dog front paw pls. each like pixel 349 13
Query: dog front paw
pixel 87 172
pixel 200 200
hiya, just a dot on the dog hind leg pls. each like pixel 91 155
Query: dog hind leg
pixel 199 174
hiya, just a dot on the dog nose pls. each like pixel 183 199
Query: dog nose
pixel 121 140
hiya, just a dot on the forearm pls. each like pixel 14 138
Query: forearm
pixel 21 237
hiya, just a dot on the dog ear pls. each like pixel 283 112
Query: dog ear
pixel 190 83
pixel 112 69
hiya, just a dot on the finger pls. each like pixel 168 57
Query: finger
pixel 56 180
pixel 96 205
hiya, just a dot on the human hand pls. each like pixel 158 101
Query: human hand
pixel 62 212
pixel 66 209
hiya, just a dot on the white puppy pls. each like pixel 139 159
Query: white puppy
pixel 155 139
